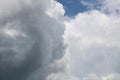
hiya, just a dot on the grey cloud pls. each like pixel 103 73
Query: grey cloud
pixel 30 40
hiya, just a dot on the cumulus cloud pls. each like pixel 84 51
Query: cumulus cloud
pixel 32 45
pixel 93 43
pixel 30 40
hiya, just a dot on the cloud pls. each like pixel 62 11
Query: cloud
pixel 88 4
pixel 61 76
pixel 96 4
pixel 32 45
pixel 111 7
pixel 30 40
pixel 55 10
pixel 93 44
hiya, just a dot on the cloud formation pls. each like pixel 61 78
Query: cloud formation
pixel 93 43
pixel 30 39
pixel 111 7
pixel 32 45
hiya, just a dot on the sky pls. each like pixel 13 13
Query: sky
pixel 59 40
pixel 73 7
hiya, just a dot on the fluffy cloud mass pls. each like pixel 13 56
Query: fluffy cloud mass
pixel 93 43
pixel 30 40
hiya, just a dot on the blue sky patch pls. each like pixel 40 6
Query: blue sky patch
pixel 73 7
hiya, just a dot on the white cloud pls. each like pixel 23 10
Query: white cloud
pixel 96 27
pixel 111 7
pixel 55 10
pixel 62 76
pixel 93 45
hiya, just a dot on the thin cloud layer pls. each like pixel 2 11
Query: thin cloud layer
pixel 30 40
pixel 111 7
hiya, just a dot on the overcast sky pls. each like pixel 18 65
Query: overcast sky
pixel 59 40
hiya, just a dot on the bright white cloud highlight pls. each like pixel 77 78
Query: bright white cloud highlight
pixel 55 10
